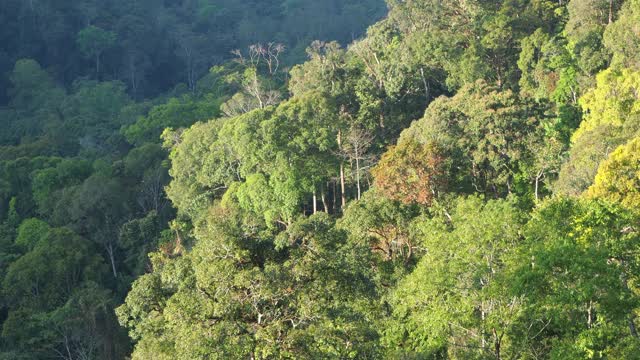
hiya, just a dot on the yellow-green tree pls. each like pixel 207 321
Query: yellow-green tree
pixel 618 178
pixel 612 102
pixel 612 111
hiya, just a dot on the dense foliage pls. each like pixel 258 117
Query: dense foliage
pixel 461 182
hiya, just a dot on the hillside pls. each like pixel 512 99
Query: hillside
pixel 460 181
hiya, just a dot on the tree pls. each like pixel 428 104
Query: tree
pixel 190 48
pixel 581 166
pixel 96 209
pixel 611 119
pixel 94 41
pixel 384 226
pixel 358 141
pixel 575 268
pixel 618 177
pixel 176 112
pixel 450 306
pixel 304 133
pixel 30 232
pixel 549 71
pixel 192 189
pixel 39 284
pixel 48 184
pixel 138 238
pixel 489 137
pixel 325 71
pixel 622 37
pixel 35 98
pixel 303 295
pixel 585 27
pixel 411 173
pixel 612 102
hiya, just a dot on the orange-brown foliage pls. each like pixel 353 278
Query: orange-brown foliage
pixel 411 173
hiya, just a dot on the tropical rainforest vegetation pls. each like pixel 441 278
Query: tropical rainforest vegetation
pixel 296 179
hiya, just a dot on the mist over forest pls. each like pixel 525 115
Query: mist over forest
pixel 336 179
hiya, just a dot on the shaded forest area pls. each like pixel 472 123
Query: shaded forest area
pixel 86 89
pixel 152 45
pixel 459 182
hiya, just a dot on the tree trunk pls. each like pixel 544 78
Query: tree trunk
pixel 610 11
pixel 324 201
pixel 497 344
pixel 110 251
pixel 539 177
pixel 315 203
pixel 358 174
pixel 334 192
pixel 424 82
pixel 342 187
pixel 632 326
pixel 589 315
pixel 66 346
pixel 483 341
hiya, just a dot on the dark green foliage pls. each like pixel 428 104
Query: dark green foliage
pixel 153 45
pixel 425 192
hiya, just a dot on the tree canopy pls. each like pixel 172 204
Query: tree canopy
pixel 355 179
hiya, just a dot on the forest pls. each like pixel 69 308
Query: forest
pixel 336 179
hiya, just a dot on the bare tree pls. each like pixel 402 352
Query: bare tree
pixel 358 142
pixel 253 86
pixel 151 195
pixel 239 104
pixel 255 92
pixel 271 54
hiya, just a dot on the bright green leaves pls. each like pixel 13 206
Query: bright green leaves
pixel 191 187
pixel 409 271
pixel 30 232
pixel 276 198
pixel 471 40
pixel 618 178
pixel 449 305
pixel 488 136
pixel 276 157
pixel 548 69
pixel 177 112
pixel 237 295
pixel 581 264
pixel 614 100
pixel 612 111
pixel 325 71
pixel 563 285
